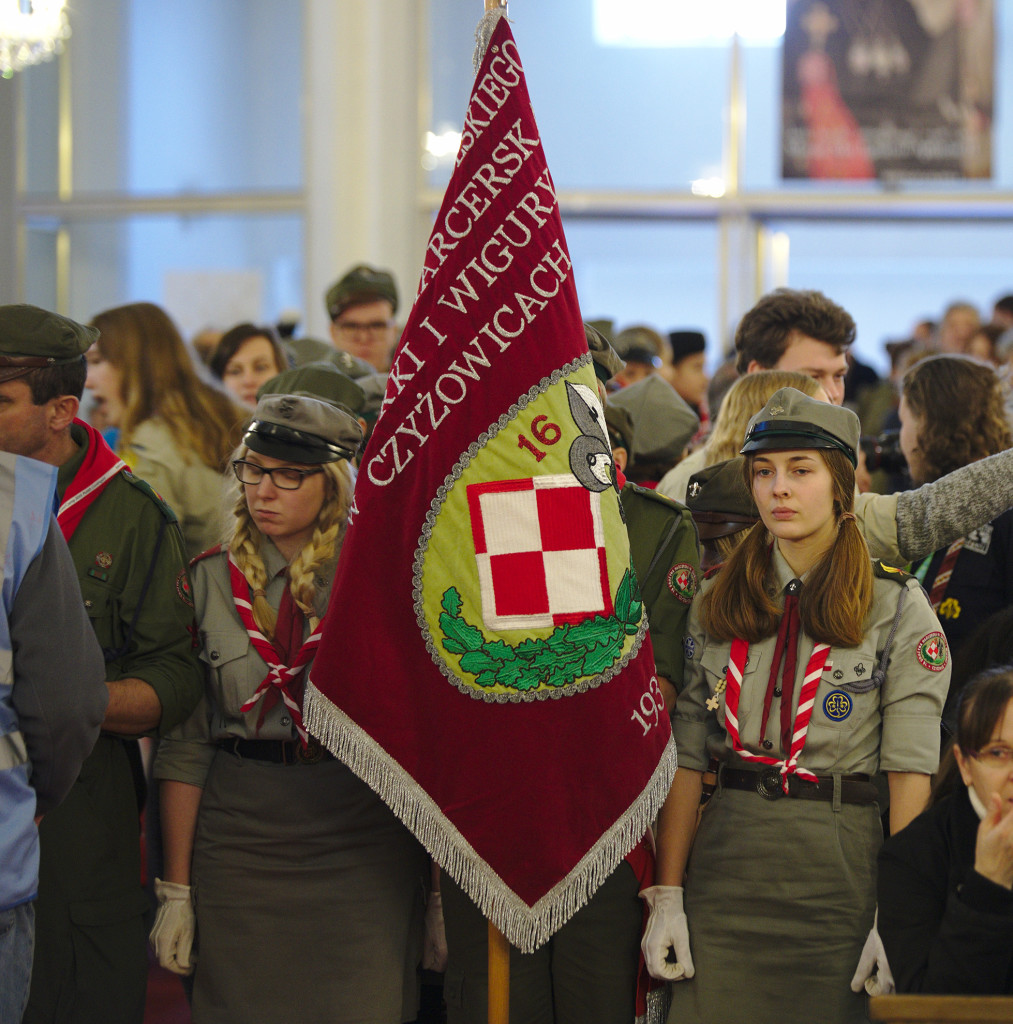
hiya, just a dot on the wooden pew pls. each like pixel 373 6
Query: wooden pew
pixel 907 1009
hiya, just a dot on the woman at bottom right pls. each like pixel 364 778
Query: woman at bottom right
pixel 946 881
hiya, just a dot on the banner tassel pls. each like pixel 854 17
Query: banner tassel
pixel 483 34
pixel 525 927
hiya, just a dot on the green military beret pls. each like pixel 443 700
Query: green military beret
pixel 317 380
pixel 362 283
pixel 313 350
pixel 606 363
pixel 298 428
pixel 791 419
pixel 662 421
pixel 640 344
pixel 719 500
pixel 374 387
pixel 31 337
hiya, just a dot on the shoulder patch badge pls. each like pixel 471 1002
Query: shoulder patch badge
pixel 688 647
pixel 932 651
pixel 682 582
pixel 183 588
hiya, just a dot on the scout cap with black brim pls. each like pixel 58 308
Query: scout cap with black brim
pixel 791 419
pixel 297 428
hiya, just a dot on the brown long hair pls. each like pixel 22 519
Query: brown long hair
pixel 743 600
pixel 160 382
pixel 959 403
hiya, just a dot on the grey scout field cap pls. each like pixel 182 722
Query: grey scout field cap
pixel 298 428
pixel 791 419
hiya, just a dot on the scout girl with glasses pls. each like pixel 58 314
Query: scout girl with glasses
pixel 289 886
pixel 809 669
pixel 946 881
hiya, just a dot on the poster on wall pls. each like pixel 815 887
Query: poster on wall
pixel 888 89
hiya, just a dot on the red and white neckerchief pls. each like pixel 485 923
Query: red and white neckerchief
pixel 100 465
pixel 279 676
pixel 806 700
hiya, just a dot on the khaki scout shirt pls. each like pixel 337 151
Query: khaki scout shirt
pixel 895 728
pixel 877 519
pixel 232 669
pixel 195 492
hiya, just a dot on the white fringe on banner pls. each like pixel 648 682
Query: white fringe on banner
pixel 483 34
pixel 658 1001
pixel 525 927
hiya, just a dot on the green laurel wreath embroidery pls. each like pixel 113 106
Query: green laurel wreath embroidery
pixel 571 651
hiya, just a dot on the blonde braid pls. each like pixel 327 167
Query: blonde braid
pixel 245 548
pixel 325 540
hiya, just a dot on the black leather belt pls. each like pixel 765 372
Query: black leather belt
pixel 277 751
pixel 855 789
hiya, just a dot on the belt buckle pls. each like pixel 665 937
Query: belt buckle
pixel 768 784
pixel 312 753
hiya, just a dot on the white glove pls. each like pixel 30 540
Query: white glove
pixel 434 941
pixel 172 935
pixel 873 971
pixel 666 928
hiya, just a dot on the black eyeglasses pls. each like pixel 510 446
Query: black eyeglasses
pixel 285 478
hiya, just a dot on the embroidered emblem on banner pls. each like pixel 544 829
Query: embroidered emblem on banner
pixel 932 651
pixel 950 608
pixel 682 582
pixel 980 540
pixel 542 606
pixel 837 705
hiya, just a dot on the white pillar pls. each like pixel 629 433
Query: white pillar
pixel 362 144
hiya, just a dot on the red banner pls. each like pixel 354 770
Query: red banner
pixel 485 664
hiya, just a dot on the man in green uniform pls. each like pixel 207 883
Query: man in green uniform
pixel 90 954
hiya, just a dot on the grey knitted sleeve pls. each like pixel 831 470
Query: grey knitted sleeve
pixel 936 514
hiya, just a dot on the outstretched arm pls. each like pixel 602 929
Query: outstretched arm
pixel 936 514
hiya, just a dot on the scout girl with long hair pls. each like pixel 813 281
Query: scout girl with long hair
pixel 809 669
pixel 304 890
pixel 175 430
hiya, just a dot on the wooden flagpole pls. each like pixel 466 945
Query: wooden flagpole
pixel 499 948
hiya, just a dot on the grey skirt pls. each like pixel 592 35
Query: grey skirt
pixel 309 897
pixel 780 896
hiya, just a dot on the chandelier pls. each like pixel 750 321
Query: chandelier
pixel 30 32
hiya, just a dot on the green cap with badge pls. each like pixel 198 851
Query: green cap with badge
pixel 317 380
pixel 31 338
pixel 791 419
pixel 361 284
pixel 719 501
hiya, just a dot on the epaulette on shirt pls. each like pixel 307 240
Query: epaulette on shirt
pixel 661 499
pixel 151 493
pixel 216 550
pixel 882 571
